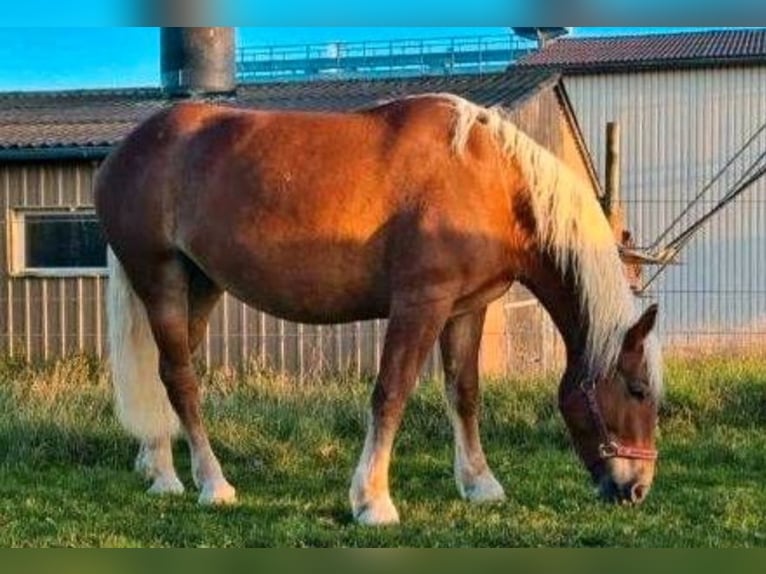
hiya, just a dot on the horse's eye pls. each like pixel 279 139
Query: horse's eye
pixel 638 389
pixel 637 386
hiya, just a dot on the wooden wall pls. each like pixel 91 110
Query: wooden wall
pixel 45 317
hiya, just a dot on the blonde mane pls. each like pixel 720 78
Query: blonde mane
pixel 571 223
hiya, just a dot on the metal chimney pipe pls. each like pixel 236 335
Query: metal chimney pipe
pixel 197 61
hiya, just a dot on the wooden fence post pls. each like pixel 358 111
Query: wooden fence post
pixel 611 200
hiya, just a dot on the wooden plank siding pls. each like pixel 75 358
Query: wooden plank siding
pixel 45 318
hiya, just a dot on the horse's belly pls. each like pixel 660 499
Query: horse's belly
pixel 306 285
pixel 318 308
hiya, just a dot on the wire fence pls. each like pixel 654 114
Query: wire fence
pixel 714 299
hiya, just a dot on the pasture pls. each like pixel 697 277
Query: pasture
pixel 66 467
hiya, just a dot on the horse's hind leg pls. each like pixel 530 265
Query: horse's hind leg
pixel 155 456
pixel 168 309
pixel 203 295
pixel 460 342
pixel 155 462
pixel 412 331
pixel 140 397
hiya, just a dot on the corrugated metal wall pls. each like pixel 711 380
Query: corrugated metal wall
pixel 678 128
pixel 50 317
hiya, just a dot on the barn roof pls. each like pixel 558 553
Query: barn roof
pixel 682 49
pixel 73 122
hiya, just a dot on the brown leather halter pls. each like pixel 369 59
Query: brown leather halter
pixel 610 447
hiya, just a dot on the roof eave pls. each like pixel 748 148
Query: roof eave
pixel 571 117
pixel 649 65
pixel 54 153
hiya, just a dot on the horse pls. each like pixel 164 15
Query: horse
pixel 421 210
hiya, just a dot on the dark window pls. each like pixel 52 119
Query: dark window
pixel 63 240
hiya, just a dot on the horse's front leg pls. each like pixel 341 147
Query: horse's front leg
pixel 460 342
pixel 412 331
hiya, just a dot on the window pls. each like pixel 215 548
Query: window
pixel 46 242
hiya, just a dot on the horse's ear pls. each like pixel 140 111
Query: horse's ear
pixel 635 336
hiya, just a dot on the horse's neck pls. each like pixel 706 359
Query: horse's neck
pixel 559 296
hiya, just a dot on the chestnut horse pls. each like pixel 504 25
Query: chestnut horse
pixel 422 210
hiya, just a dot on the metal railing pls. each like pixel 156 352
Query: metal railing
pixel 376 59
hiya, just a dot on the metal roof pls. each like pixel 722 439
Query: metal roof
pixel 713 47
pixel 101 118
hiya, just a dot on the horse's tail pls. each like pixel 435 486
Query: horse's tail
pixel 141 401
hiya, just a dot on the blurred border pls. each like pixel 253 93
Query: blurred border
pixel 387 13
pixel 401 561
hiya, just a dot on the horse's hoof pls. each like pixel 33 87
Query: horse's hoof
pixel 484 488
pixel 377 513
pixel 144 465
pixel 166 485
pixel 220 492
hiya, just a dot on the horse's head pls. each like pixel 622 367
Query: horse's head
pixel 612 420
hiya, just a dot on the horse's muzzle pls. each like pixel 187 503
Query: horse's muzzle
pixel 631 493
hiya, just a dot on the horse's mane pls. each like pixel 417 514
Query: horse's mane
pixel 572 225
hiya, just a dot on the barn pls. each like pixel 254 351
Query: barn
pixel 686 103
pixel 52 261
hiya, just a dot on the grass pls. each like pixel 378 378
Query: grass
pixel 66 479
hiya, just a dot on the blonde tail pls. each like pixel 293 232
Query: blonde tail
pixel 141 401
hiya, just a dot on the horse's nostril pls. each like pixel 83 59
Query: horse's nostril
pixel 638 493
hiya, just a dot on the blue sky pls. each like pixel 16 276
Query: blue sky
pixel 72 58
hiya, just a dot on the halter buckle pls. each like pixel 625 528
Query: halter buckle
pixel 608 450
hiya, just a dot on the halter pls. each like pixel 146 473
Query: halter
pixel 610 447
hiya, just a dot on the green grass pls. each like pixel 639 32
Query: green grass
pixel 66 478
